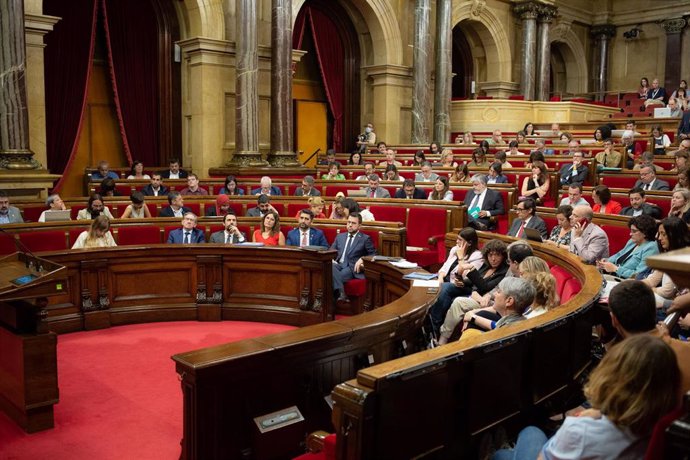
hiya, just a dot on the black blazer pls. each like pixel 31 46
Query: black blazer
pixel 493 202
pixel 148 190
pixel 567 178
pixel 647 209
pixel 166 174
pixel 418 194
pixel 483 285
pixel 168 211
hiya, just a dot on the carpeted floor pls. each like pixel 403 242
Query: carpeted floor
pixel 120 397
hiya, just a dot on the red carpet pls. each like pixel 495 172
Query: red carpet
pixel 120 397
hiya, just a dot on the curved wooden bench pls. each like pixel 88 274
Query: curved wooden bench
pixel 441 400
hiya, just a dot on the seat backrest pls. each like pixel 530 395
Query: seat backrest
pixel 424 223
pixel 550 342
pixel 139 234
pixel 374 235
pixel 571 287
pixel 389 213
pixel 74 234
pixel 561 275
pixel 48 240
pixel 618 237
pixel 32 213
pixel 7 244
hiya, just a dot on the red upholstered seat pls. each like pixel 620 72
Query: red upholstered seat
pixel 152 209
pixel 124 190
pixel 7 245
pixel 50 240
pixel 389 213
pixel 663 202
pixel 561 275
pixel 618 237
pixel 374 235
pixel 328 452
pixel 617 180
pixel 294 208
pixel 140 234
pixel 356 287
pixel 32 213
pixel 422 224
pixel 570 288
pixel 195 207
pixel 280 209
pixel 75 210
pixel 330 234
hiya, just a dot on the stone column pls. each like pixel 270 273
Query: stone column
pixel 247 86
pixel 420 73
pixel 602 34
pixel 443 71
pixel 14 116
pixel 281 85
pixel 528 12
pixel 674 44
pixel 546 15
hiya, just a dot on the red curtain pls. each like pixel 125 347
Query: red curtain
pixel 68 55
pixel 331 58
pixel 132 42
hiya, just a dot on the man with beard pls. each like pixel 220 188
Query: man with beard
pixel 304 234
pixel 94 209
pixel 231 234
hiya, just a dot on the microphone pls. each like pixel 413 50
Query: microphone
pixel 31 260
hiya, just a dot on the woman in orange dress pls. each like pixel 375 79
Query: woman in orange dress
pixel 269 234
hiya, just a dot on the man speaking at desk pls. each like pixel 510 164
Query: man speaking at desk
pixel 305 235
pixel 351 247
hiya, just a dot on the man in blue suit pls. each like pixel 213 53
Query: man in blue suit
pixel 351 247
pixel 305 235
pixel 188 234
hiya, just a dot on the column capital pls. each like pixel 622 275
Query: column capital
pixel 546 12
pixel 674 26
pixel 603 31
pixel 526 10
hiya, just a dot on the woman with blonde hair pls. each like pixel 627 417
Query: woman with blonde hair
pixel 545 297
pixel 532 265
pixel 316 204
pixel 337 210
pixel 634 386
pixel 680 205
pixel 98 236
pixel 447 159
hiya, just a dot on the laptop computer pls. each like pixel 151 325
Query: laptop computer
pixel 58 215
pixel 533 234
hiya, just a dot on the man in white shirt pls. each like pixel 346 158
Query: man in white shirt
pixel 156 187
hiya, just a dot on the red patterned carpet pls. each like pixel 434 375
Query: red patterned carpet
pixel 120 397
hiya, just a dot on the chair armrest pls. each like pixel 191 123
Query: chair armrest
pixel 439 242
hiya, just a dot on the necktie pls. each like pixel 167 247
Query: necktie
pixel 521 232
pixel 347 246
pixel 227 238
pixel 305 240
pixel 372 194
pixel 186 238
pixel 647 186
pixel 574 171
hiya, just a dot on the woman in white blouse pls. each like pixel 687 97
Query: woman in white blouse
pixel 98 236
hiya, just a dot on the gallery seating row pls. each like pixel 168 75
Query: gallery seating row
pixel 426 221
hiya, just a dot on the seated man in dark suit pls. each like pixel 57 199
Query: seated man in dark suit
pixel 267 188
pixel 575 173
pixel 176 208
pixel 351 247
pixel 648 180
pixel 174 172
pixel 262 207
pixel 482 204
pixel 188 234
pixel 305 235
pixel 638 206
pixel 409 191
pixel 231 234
pixel 156 187
pixel 307 188
pixel 527 218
